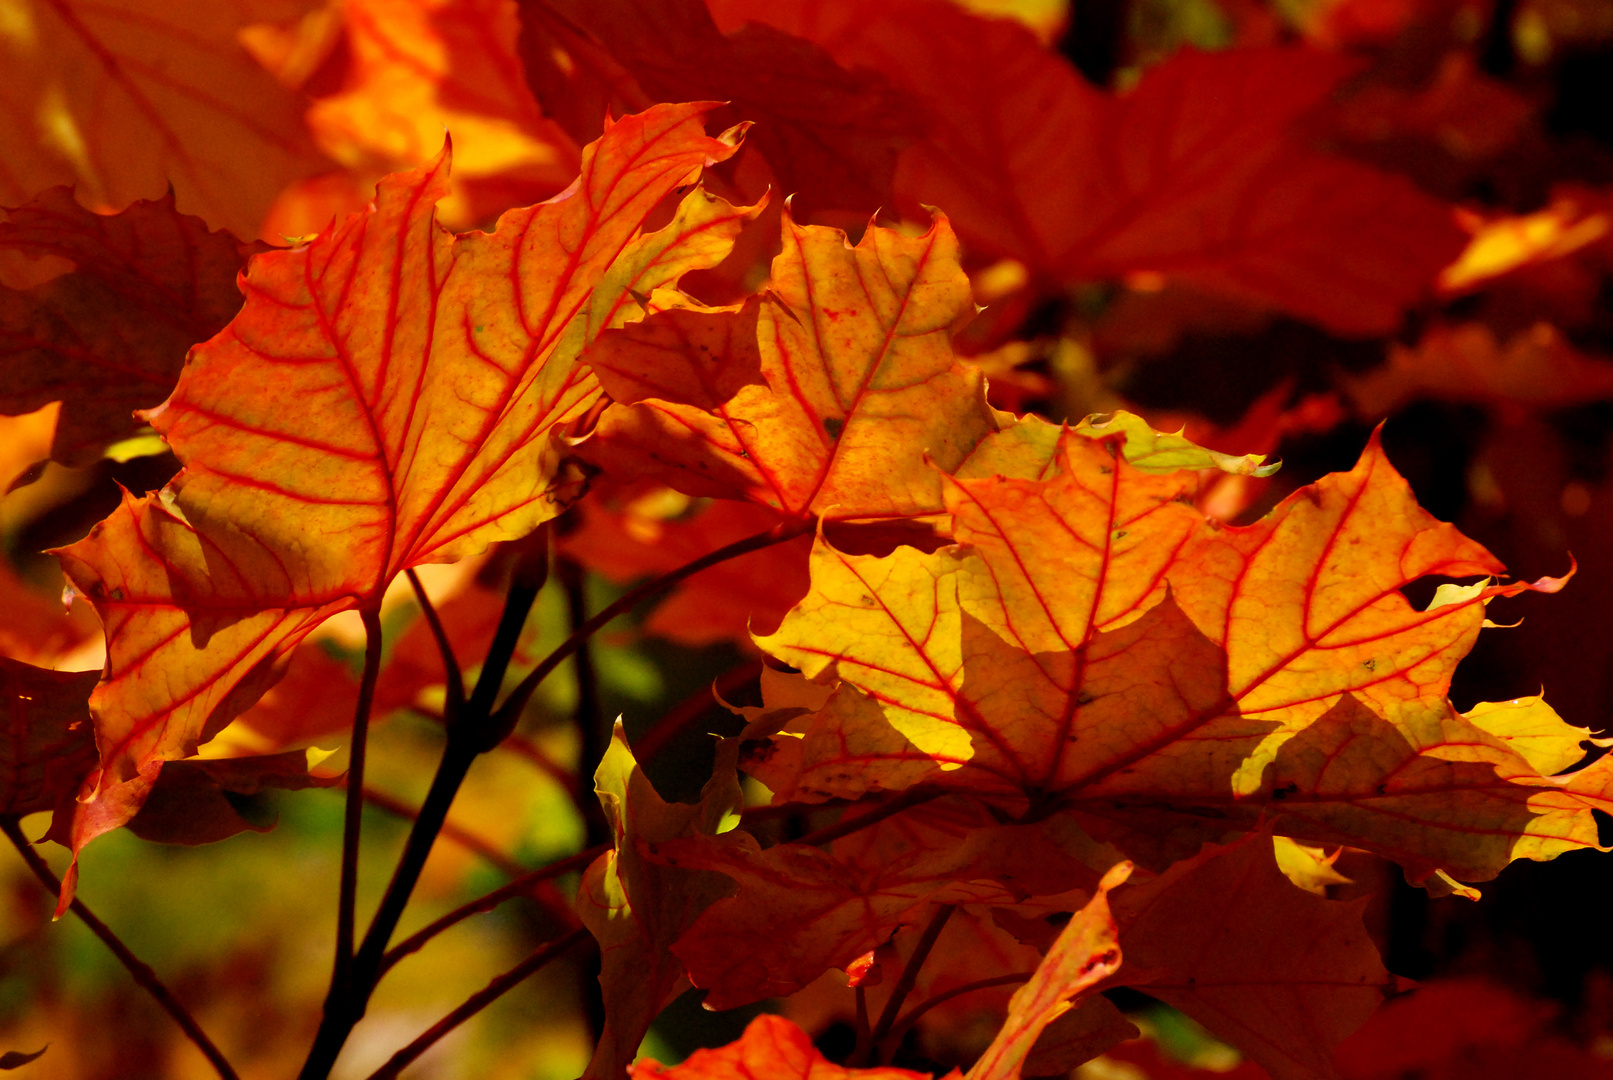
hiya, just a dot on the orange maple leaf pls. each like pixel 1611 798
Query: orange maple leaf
pixel 1094 642
pixel 124 98
pixel 824 396
pixel 437 367
pixel 418 67
pixel 1086 952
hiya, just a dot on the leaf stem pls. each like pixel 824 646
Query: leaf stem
pixel 476 1003
pixel 526 581
pixel 508 712
pixel 453 677
pixel 465 742
pixel 519 887
pixel 910 973
pixel 477 729
pixel 913 796
pixel 338 1008
pixel 352 821
pixel 138 969
pixel 899 1030
pixel 864 1032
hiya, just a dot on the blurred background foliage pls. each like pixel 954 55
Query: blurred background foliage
pixel 1498 397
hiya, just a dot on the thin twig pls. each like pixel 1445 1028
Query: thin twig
pixel 353 814
pixel 138 969
pixel 339 1018
pixel 476 730
pixel 450 664
pixel 910 972
pixel 899 1029
pixel 519 887
pixel 864 1032
pixel 514 705
pixel 476 1003
pixel 527 579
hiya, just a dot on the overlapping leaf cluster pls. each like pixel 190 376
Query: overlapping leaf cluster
pixel 1053 723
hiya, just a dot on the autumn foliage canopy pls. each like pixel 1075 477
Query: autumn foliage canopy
pixel 796 335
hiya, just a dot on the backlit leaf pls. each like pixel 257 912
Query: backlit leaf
pixel 1093 641
pixel 1537 368
pixel 419 67
pixel 826 395
pixel 38 628
pixel 110 336
pixel 386 398
pixel 123 98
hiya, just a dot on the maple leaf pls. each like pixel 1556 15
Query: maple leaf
pixel 771 1048
pixel 1094 642
pixel 109 337
pixel 1280 973
pixel 437 366
pixel 1086 952
pixel 826 395
pixel 800 910
pixel 126 97
pixel 1194 174
pixel 828 134
pixel 48 745
pixel 419 67
pixel 635 907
